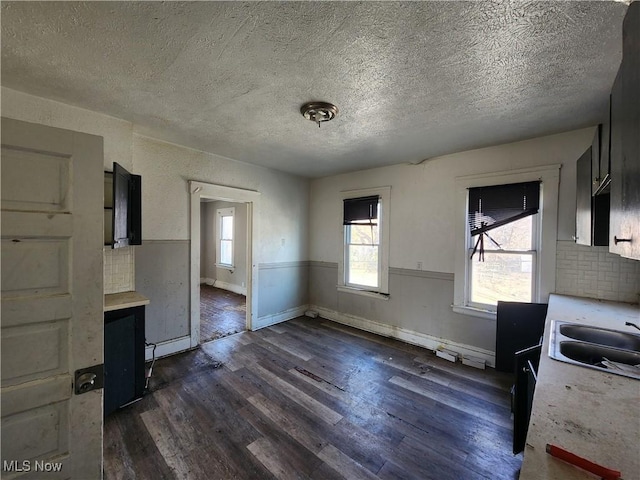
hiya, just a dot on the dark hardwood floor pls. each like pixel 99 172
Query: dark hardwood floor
pixel 222 313
pixel 310 398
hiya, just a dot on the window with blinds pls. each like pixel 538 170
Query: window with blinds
pixel 362 242
pixel 503 226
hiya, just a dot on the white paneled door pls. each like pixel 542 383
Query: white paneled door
pixel 52 302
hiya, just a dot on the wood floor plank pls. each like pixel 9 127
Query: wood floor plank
pixel 311 404
pixel 277 328
pixel 430 464
pixel 288 423
pixel 175 458
pixel 459 402
pixel 114 448
pixel 282 452
pixel 345 464
pixel 290 347
pixel 268 453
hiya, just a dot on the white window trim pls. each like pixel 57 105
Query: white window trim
pixel 226 212
pixel 546 256
pixel 382 292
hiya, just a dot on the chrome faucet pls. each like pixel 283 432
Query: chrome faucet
pixel 629 324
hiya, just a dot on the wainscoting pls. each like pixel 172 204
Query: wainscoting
pixel 418 310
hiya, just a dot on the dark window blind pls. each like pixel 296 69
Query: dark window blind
pixel 492 207
pixel 357 210
pixel 498 205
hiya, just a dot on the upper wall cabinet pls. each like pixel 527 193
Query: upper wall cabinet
pixel 624 235
pixel 122 208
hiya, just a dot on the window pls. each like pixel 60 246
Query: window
pixel 503 227
pixel 362 242
pixel 224 236
pixel 507 248
pixel 364 265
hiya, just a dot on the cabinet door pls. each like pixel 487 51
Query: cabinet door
pixel 135 210
pixel 595 177
pixel 126 214
pixel 123 357
pixel 121 182
pixel 604 161
pixel 526 363
pixel 583 199
pixel 624 233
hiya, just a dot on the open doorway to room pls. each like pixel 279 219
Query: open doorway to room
pixel 223 268
pixel 223 274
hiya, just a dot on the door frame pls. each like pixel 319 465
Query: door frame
pixel 199 191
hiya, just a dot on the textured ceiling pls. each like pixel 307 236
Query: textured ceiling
pixel 412 80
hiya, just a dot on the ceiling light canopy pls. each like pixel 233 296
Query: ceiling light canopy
pixel 319 111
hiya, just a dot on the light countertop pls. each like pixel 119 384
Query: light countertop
pixel 118 301
pixel 590 413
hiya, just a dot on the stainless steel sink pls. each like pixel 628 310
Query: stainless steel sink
pixel 598 348
pixel 602 336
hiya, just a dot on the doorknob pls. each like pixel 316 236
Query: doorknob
pixel 88 379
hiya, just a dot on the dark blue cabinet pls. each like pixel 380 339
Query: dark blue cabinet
pixel 123 357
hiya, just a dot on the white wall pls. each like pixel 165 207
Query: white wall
pixel 166 169
pixel 423 212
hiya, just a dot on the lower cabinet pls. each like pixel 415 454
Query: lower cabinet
pixel 124 339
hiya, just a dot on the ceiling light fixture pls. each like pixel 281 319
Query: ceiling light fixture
pixel 319 111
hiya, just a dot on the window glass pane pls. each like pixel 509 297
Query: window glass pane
pixel 502 276
pixel 227 227
pixel 226 252
pixel 363 265
pixel 363 234
pixel 512 236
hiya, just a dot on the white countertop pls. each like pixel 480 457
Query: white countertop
pixel 118 301
pixel 590 413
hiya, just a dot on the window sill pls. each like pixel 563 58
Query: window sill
pixel 231 268
pixel 364 293
pixel 474 312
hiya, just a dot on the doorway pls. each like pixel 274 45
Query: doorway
pixel 223 268
pixel 234 273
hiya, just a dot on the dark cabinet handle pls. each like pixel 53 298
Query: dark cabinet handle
pixel 617 240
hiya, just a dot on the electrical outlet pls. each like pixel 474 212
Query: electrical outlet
pixel 419 265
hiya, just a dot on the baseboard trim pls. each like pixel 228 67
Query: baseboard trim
pixel 168 347
pixel 225 286
pixel 231 287
pixel 408 336
pixel 274 318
